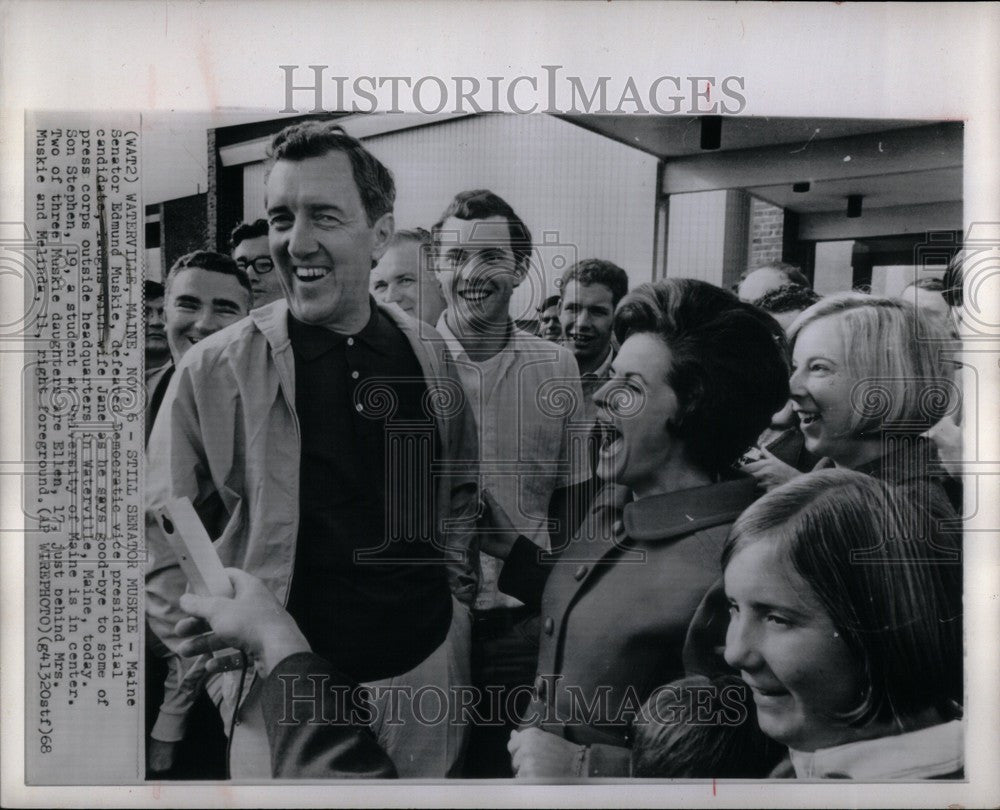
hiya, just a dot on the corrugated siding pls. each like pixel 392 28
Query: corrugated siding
pixel 580 194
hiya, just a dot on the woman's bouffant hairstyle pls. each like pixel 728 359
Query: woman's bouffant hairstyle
pixel 727 364
pixel 893 596
pixel 894 355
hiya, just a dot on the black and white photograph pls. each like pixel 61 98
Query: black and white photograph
pixel 504 435
pixel 527 579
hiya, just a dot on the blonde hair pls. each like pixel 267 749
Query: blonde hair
pixel 902 382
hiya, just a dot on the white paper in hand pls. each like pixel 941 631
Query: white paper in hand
pixel 193 547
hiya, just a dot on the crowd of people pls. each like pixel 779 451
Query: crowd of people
pixel 667 531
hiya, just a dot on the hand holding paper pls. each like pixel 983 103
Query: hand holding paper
pixel 252 620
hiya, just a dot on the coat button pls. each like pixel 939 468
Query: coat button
pixel 580 573
pixel 350 341
pixel 550 625
pixel 355 375
pixel 540 687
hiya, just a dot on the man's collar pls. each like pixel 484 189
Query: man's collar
pixel 455 347
pixel 311 341
pixel 602 370
pixel 458 350
pixel 658 517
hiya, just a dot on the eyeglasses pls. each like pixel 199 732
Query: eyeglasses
pixel 260 265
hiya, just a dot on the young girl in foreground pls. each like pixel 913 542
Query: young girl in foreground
pixel 847 627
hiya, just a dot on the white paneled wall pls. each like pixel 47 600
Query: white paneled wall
pixel 253 191
pixel 696 235
pixel 580 194
pixel 833 271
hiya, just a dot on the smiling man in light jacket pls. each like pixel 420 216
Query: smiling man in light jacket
pixel 287 432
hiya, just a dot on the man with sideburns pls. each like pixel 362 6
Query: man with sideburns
pixel 525 392
pixel 282 425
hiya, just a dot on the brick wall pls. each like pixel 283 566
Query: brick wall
pixel 766 233
pixel 212 199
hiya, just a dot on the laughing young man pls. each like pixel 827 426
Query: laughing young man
pixel 204 292
pixel 282 428
pixel 525 393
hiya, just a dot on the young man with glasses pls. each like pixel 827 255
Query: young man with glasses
pixel 251 252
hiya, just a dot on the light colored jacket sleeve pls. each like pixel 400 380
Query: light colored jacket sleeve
pixel 175 467
pixel 180 690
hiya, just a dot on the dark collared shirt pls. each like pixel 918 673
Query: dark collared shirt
pixel 372 606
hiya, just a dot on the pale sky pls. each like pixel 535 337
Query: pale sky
pixel 175 150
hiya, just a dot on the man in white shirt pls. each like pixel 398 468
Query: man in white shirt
pixel 525 393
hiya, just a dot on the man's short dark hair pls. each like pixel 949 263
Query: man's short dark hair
pixel 151 290
pixel 481 204
pixel 551 301
pixel 312 139
pixel 244 231
pixel 727 364
pixel 598 271
pixel 787 298
pixel 213 262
